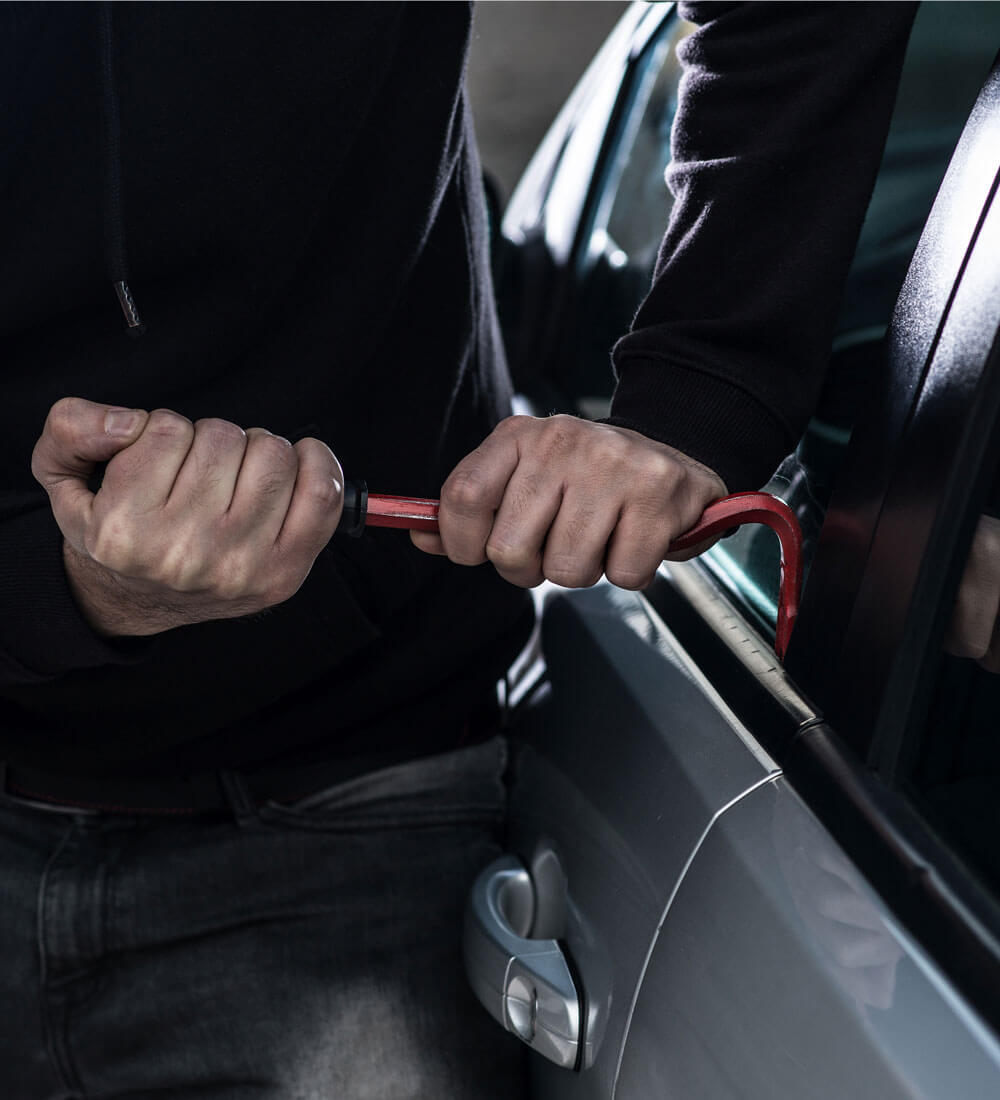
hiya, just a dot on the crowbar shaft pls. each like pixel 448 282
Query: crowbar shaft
pixel 362 509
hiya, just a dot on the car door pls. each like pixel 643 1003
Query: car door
pixel 838 933
pixel 679 802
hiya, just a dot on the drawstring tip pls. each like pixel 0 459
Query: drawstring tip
pixel 125 300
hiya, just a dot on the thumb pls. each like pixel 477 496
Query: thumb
pixel 77 435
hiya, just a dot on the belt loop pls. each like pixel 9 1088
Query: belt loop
pixel 238 795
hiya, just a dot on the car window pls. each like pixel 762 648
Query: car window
pixel 626 220
pixel 950 53
pixel 950 760
pixel 637 201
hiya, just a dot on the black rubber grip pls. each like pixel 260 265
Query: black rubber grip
pixel 352 519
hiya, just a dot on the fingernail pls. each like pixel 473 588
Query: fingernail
pixel 121 423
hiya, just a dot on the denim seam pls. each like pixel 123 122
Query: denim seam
pixel 56 1037
pixel 114 910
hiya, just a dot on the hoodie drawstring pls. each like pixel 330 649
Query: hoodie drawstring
pixel 115 255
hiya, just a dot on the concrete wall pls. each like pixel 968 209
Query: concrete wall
pixel 524 61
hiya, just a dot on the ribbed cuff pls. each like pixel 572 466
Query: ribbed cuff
pixel 706 417
pixel 42 633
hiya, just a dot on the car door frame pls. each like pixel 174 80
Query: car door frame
pixel 880 587
pixel 836 759
pixel 542 255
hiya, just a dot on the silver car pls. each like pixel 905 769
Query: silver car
pixel 730 877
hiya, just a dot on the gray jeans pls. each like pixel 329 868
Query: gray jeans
pixel 303 952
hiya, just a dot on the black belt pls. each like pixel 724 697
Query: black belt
pixel 206 793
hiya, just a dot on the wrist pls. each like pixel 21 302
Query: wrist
pixel 107 606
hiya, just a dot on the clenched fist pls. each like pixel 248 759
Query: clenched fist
pixel 567 500
pixel 192 521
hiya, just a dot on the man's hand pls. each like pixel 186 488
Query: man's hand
pixel 192 521
pixel 566 500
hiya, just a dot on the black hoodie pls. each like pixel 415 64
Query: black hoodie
pixel 300 214
pixel 301 210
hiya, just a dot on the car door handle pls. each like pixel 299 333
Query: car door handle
pixel 524 984
pixel 362 508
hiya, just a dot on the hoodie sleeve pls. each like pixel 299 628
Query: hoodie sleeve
pixel 783 115
pixel 42 633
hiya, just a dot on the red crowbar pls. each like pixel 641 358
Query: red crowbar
pixel 362 509
pixel 739 508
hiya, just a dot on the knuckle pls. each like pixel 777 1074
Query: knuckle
pixel 167 424
pixel 235 579
pixel 324 469
pixel 514 425
pixel 508 557
pixel 560 435
pixel 461 548
pixel 660 473
pixel 180 568
pixel 611 453
pixel 321 490
pixel 277 451
pixel 320 453
pixel 464 491
pixel 570 571
pixel 107 550
pixel 220 435
pixel 568 577
pixel 64 417
pixel 112 543
pixel 629 577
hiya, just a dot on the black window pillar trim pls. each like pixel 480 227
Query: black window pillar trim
pixel 879 525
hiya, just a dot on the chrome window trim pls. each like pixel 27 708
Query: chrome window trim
pixel 744 641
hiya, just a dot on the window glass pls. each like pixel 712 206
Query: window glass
pixel 949 56
pixel 952 766
pixel 637 206
pixel 625 223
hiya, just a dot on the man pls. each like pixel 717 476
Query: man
pixel 251 769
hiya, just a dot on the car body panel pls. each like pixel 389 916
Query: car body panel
pixel 700 838
pixel 777 943
pixel 624 816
